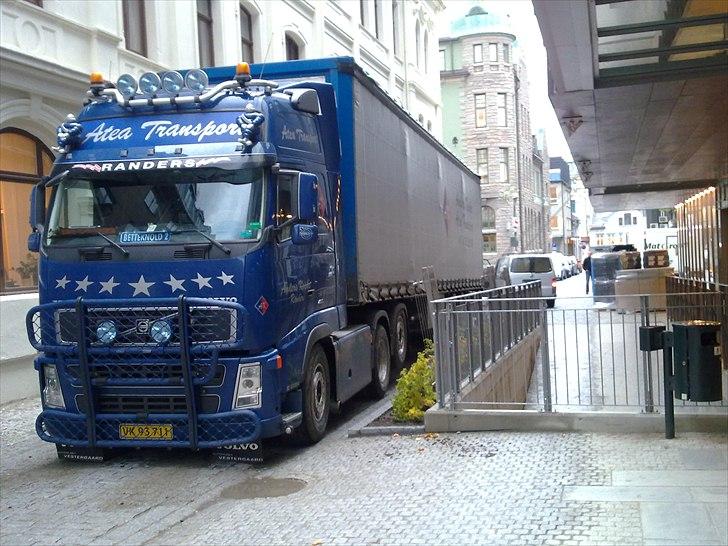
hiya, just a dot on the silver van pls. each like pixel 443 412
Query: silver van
pixel 519 268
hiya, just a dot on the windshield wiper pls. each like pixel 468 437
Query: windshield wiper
pixel 218 244
pixel 114 244
pixel 92 234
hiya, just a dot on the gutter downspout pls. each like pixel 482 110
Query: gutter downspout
pixel 518 161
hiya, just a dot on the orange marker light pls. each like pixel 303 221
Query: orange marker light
pixel 96 77
pixel 279 362
pixel 242 68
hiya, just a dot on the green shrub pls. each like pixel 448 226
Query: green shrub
pixel 414 391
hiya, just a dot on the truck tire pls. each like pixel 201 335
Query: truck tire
pixel 550 303
pixel 400 336
pixel 381 363
pixel 316 397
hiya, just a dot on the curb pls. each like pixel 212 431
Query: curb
pixel 405 430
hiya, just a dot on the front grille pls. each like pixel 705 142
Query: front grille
pixel 151 372
pixel 133 324
pixel 96 256
pixel 147 404
pixel 191 253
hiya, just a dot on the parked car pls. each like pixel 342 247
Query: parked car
pixel 561 265
pixel 520 268
pixel 574 265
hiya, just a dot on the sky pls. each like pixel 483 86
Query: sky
pixel 528 36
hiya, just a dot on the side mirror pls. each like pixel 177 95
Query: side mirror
pixel 34 241
pixel 37 206
pixel 304 234
pixel 307 197
pixel 37 216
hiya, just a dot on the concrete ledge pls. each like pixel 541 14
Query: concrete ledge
pixel 18 379
pixel 444 420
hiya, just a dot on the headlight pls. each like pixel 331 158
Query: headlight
pixel 127 85
pixel 161 331
pixel 172 82
pixel 106 331
pixel 52 394
pixel 196 80
pixel 248 388
pixel 149 84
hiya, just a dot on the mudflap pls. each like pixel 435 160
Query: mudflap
pixel 84 454
pixel 252 452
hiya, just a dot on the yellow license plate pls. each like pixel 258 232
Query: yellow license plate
pixel 130 431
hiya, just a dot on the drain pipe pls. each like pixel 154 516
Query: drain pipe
pixel 517 83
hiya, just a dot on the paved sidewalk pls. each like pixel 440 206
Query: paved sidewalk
pixel 475 488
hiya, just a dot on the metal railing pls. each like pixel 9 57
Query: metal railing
pixel 588 356
pixel 472 331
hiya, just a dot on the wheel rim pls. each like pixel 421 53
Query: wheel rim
pixel 318 385
pixel 382 361
pixel 401 339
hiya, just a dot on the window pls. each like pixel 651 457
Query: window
pixel 442 60
pixel 286 203
pixel 481 160
pixel 477 53
pixel 627 219
pixel 378 19
pixel 23 160
pixel 204 32
pixel 489 243
pixel 573 206
pixel 135 32
pixel 417 43
pixel 502 113
pixel 426 52
pixel 493 53
pixel 553 195
pixel 421 120
pixel 363 13
pixel 506 53
pixel 488 217
pixel 292 50
pixel 503 165
pixel 480 115
pixel 395 27
pixel 246 35
pixel 531 264
pixel 429 126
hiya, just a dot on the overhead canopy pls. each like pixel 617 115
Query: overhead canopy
pixel 641 90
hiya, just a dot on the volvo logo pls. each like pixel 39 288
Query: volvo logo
pixel 142 326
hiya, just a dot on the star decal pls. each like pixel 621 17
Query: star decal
pixel 175 284
pixel 108 286
pixel 202 281
pixel 61 283
pixel 226 279
pixel 141 286
pixel 83 285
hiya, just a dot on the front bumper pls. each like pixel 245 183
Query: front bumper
pixel 183 374
pixel 213 430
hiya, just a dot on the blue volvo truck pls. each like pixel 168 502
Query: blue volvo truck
pixel 225 258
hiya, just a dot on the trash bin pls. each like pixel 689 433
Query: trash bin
pixel 696 361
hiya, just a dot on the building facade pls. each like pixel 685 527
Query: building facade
pixel 561 220
pixel 486 123
pixel 49 47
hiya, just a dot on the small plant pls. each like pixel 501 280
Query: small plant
pixel 415 392
pixel 28 269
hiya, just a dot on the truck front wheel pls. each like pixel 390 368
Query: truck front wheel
pixel 316 397
pixel 381 363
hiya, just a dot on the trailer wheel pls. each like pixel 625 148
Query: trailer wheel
pixel 381 363
pixel 316 397
pixel 400 336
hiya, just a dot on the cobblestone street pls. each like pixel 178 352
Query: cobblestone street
pixel 475 488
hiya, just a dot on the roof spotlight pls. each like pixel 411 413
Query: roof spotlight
pixel 149 84
pixel 172 82
pixel 196 80
pixel 127 85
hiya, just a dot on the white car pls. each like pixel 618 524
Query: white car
pixel 519 268
pixel 561 265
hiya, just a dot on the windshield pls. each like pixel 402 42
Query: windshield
pixel 158 206
pixel 530 265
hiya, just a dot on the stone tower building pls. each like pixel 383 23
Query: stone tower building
pixel 486 123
